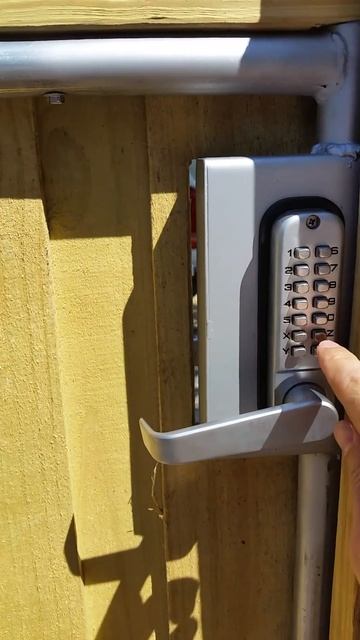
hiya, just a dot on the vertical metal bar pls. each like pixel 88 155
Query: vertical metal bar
pixel 338 126
pixel 316 531
pixel 338 113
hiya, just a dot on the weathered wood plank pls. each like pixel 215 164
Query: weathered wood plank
pixel 230 525
pixel 345 589
pixel 345 612
pixel 97 200
pixel 40 598
pixel 279 14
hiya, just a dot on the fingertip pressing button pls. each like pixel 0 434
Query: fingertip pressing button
pixel 318 334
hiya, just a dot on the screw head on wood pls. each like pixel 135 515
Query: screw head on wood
pixel 55 97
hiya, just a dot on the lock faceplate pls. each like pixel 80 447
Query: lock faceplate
pixel 233 196
pixel 306 249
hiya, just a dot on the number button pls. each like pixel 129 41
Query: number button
pixel 301 270
pixel 320 302
pixel 322 269
pixel 298 351
pixel 300 304
pixel 319 318
pixel 318 334
pixel 301 286
pixel 323 251
pixel 301 253
pixel 321 286
pixel 299 320
pixel 299 336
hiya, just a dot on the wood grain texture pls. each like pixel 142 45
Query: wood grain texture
pixel 345 611
pixel 95 173
pixel 78 14
pixel 40 598
pixel 230 525
pixel 345 590
pixel 220 563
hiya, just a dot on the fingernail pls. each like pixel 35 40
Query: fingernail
pixel 344 435
pixel 328 344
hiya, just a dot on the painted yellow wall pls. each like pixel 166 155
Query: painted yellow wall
pixel 95 331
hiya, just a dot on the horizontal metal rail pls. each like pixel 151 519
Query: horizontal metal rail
pixel 303 64
pixel 321 64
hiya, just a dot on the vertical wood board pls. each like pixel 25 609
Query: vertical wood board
pixel 345 609
pixel 40 598
pixel 230 525
pixel 94 163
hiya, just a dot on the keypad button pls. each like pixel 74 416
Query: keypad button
pixel 300 304
pixel 320 302
pixel 321 286
pixel 301 253
pixel 319 318
pixel 313 349
pixel 298 351
pixel 323 251
pixel 322 269
pixel 299 336
pixel 299 320
pixel 301 286
pixel 318 334
pixel 301 270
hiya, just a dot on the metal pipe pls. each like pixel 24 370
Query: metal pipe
pixel 338 114
pixel 301 64
pixel 316 528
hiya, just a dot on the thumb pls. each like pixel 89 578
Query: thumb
pixel 342 371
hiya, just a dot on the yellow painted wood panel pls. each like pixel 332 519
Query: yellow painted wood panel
pixel 95 172
pixel 230 525
pixel 345 613
pixel 39 596
pixel 345 590
pixel 281 14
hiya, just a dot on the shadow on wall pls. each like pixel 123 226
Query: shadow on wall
pixel 107 568
pixel 92 190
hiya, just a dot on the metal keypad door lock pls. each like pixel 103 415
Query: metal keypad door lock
pixel 275 262
pixel 304 285
pixel 305 289
pixel 276 242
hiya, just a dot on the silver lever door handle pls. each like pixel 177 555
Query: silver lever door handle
pixel 303 424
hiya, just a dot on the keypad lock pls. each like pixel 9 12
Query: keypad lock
pixel 275 262
pixel 305 288
pixel 304 281
pixel 274 279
